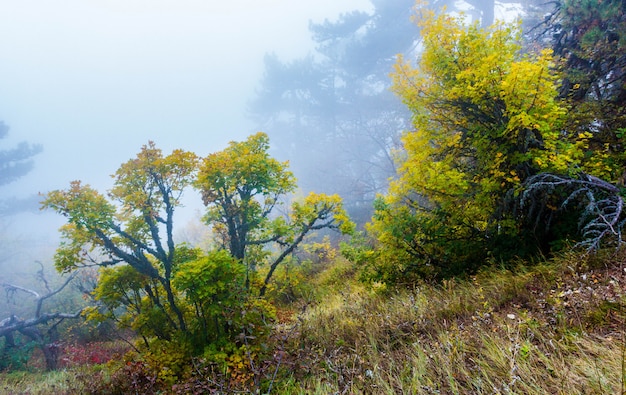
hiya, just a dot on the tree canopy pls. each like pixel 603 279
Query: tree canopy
pixel 242 185
pixel 486 118
pixel 134 225
pixel 171 292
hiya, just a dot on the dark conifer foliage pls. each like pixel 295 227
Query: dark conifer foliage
pixel 589 37
pixel 15 163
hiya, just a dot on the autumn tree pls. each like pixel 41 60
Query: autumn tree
pixel 486 118
pixel 242 187
pixel 180 300
pixel 132 225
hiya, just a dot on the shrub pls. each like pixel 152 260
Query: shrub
pixel 15 357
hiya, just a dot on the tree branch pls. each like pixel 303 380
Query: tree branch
pixel 603 212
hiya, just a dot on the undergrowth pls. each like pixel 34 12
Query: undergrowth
pixel 555 327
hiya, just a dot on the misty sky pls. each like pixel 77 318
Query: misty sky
pixel 94 80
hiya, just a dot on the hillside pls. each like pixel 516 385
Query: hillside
pixel 556 327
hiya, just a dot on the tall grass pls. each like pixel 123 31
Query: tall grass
pixel 539 330
pixel 61 382
pixel 551 328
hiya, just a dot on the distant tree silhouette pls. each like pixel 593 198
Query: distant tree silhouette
pixel 332 113
pixel 14 164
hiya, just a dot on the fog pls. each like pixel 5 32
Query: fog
pixel 94 80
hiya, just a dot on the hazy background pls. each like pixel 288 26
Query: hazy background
pixel 94 80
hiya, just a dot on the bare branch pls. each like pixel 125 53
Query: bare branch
pixel 31 327
pixel 14 288
pixel 52 293
pixel 38 298
pixel 13 323
pixel 600 203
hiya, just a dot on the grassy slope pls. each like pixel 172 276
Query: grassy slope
pixel 553 328
pixel 61 382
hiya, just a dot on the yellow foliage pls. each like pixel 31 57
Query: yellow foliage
pixel 486 117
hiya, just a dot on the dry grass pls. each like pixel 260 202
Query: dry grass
pixel 60 382
pixel 551 329
pixel 554 328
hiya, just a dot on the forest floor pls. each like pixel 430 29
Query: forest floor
pixel 553 328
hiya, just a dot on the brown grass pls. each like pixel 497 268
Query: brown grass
pixel 549 329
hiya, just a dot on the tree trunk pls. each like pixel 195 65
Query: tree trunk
pixel 50 347
pixel 51 354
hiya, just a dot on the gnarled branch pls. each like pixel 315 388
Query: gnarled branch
pixel 600 203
